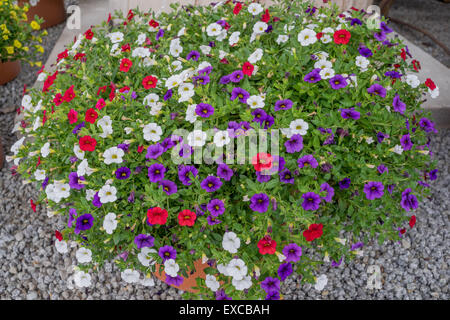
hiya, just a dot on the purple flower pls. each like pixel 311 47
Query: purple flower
pixel 433 174
pixel 259 202
pixel 194 55
pixel 84 222
pixel 427 125
pixel 350 114
pixel 167 253
pixel 270 284
pixel 205 71
pixel 261 177
pixel 355 21
pixel 73 159
pixel 211 184
pixel 237 76
pixel 409 201
pixel 169 187
pixel 216 207
pixel 204 110
pixel 160 34
pixel 292 252
pixel 390 188
pixel 336 264
pixel 357 246
pixel 212 220
pixel 344 183
pixel 78 127
pixel 268 121
pixel 382 169
pixel 313 76
pixel 123 173
pixel 174 281
pixel 224 172
pixel 380 35
pixel 131 197
pixel 203 80
pixel 384 27
pixel 45 182
pixel 167 144
pixel 154 151
pixel 168 94
pixel 330 191
pixel 156 172
pixel 184 174
pixel 406 143
pixel 273 295
pixel 220 295
pixel 72 215
pixel 392 74
pixel 373 190
pixel 96 200
pixel 283 105
pixel 144 240
pixel 294 144
pixel 123 146
pixel 338 82
pixel 241 94
pixel 259 115
pixel 311 201
pixel 285 271
pixel 365 52
pixel 286 176
pixel 381 136
pixel 74 181
pixel 307 160
pixel 377 89
pixel 225 79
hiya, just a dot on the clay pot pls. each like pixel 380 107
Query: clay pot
pixel 52 11
pixel 189 282
pixel 8 71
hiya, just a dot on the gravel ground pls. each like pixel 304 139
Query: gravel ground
pixel 31 268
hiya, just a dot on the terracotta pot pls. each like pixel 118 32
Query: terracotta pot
pixel 52 11
pixel 189 282
pixel 8 71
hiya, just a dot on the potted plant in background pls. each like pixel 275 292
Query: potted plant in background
pixel 52 12
pixel 136 147
pixel 19 40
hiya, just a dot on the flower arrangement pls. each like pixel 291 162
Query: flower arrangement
pixel 133 139
pixel 19 40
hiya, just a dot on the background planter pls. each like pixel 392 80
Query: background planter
pixel 8 71
pixel 52 11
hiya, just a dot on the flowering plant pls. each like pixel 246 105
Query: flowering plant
pixel 17 35
pixel 137 147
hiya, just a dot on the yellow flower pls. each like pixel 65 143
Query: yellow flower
pixel 44 33
pixel 10 50
pixel 17 44
pixel 25 49
pixel 38 64
pixel 5 37
pixel 35 25
pixel 40 49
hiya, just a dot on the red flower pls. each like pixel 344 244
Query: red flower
pixel 403 54
pixel 130 15
pixel 186 218
pixel 125 65
pixel 224 61
pixel 153 23
pixel 89 34
pixel 91 115
pixel 140 149
pixel 157 216
pixel 100 104
pixel 314 231
pixel 149 82
pixel 33 205
pixel 126 47
pixel 402 231
pixel 101 90
pixel 319 35
pixel 126 88
pixel 87 143
pixel 38 162
pixel 72 116
pixel 58 235
pixel 342 36
pixel 49 82
pixel 44 117
pixel 109 17
pixel 430 84
pixel 63 55
pixel 412 221
pixel 69 94
pixel 416 67
pixel 267 246
pixel 237 8
pixel 248 68
pixel 262 161
pixel 266 16
pixel 58 99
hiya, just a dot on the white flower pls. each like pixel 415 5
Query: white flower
pixel 298 126
pixel 84 255
pixel 17 145
pixel 322 64
pixel 231 242
pixel 282 38
pixel 145 258
pixel 78 152
pixel 26 102
pixel 110 223
pixel 214 29
pixel 434 93
pixel 223 269
pixel 140 52
pixel 191 116
pixel 57 191
pixel 197 138
pixel 412 80
pixel 369 140
pixel 42 76
pixel 104 122
pixel 61 246
pixel 326 38
pixel 151 99
pixel 237 269
pixel 82 279
pixel 116 37
pixel 326 73
pixel 107 194
pixel 255 102
pixel 321 282
pixel 186 91
pixel 322 55
pixel 171 267
pixel 221 138
pixel 113 155
pixel 397 149
pixel 242 284
pixel 328 30
pixel 130 276
pixel 148 282
pixel 39 174
pixel 51 213
pixel 152 132
pixel 307 37
pixel 234 38
pixel 259 27
pixel 362 62
pixel 90 194
pixel 141 39
pixel 83 169
pixel 181 32
pixel 255 56
pixel 155 109
pixel 255 8
pixel 212 283
pixel 176 66
pixel 175 50
pixel 37 123
pixel 45 150
pixel 222 35
pixel 205 49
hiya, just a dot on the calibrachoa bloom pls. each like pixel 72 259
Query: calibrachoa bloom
pixel 314 231
pixel 144 240
pixel 311 201
pixel 186 218
pixel 292 252
pixel 373 190
pixel 157 215
pixel 259 202
pixel 267 245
